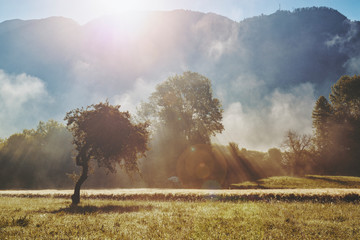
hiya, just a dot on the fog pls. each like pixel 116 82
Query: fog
pixel 21 99
pixel 263 127
pixel 260 127
pixel 266 70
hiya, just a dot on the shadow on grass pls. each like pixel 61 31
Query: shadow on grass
pixel 102 209
pixel 344 183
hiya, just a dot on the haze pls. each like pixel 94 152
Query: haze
pixel 266 85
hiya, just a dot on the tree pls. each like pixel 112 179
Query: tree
pixel 323 124
pixel 105 134
pixel 245 165
pixel 345 99
pixel 298 152
pixel 321 115
pixel 37 158
pixel 183 113
pixel 185 104
pixel 337 127
pixel 345 133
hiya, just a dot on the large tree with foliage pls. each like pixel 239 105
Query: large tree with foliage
pixel 337 126
pixel 185 103
pixel 105 134
pixel 323 125
pixel 182 112
pixel 321 115
pixel 345 101
pixel 37 158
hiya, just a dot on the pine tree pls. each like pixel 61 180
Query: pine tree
pixel 321 116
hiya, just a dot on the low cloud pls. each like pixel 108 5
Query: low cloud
pixel 20 98
pixel 264 127
pixel 348 44
pixel 132 98
pixel 341 41
pixel 257 127
pixel 353 65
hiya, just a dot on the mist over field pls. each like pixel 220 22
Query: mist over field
pixel 226 101
pixel 267 70
pixel 132 120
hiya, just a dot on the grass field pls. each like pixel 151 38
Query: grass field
pixel 102 214
pixel 307 182
pixel 315 207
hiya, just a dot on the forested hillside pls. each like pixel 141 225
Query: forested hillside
pixel 56 64
pixel 253 96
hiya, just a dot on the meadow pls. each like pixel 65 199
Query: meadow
pixel 306 182
pixel 182 214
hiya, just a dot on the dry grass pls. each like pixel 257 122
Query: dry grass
pixel 307 182
pixel 54 218
pixel 317 195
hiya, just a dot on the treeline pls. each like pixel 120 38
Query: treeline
pixel 334 147
pixel 183 115
pixel 43 158
pixel 337 128
pixel 37 158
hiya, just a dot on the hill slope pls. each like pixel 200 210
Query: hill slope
pixel 307 182
pixel 256 64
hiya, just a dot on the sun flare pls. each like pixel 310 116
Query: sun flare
pixel 121 7
pixel 129 17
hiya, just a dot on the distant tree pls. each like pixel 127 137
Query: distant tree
pixel 103 133
pixel 323 125
pixel 182 112
pixel 345 132
pixel 322 117
pixel 245 165
pixel 185 103
pixel 345 99
pixel 37 158
pixel 298 152
pixel 337 127
pixel 275 155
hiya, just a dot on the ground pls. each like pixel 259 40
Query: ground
pixel 182 214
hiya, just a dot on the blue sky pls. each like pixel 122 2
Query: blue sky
pixel 85 10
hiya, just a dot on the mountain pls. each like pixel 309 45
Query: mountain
pixel 267 70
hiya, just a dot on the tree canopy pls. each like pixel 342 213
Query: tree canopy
pixel 321 116
pixel 103 133
pixel 345 98
pixel 298 152
pixel 183 113
pixel 337 126
pixel 186 104
pixel 37 158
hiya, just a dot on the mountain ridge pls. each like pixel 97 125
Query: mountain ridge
pixel 249 62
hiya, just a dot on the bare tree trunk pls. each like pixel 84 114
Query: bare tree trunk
pixel 76 196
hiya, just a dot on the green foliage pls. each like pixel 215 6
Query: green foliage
pixel 37 158
pixel 106 219
pixel 337 127
pixel 42 158
pixel 345 98
pixel 321 116
pixel 103 133
pixel 182 112
pixel 185 103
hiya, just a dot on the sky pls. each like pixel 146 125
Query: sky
pixel 18 90
pixel 83 11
